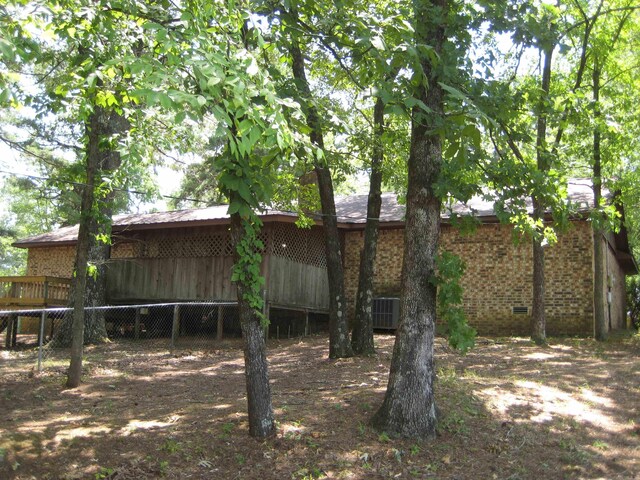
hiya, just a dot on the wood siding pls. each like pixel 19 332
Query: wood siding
pixel 297 284
pixel 196 264
pixel 615 294
pixel 170 279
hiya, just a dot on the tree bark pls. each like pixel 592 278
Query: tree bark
pixel 82 248
pixel 105 125
pixel 538 318
pixel 261 420
pixel 362 335
pixel 99 250
pixel 339 344
pixel 601 326
pixel 408 409
pixel 96 289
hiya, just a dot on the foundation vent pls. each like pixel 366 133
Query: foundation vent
pixel 386 312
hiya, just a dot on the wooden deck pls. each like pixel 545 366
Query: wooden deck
pixel 20 293
pixel 34 291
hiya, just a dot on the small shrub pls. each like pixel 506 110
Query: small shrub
pixel 104 473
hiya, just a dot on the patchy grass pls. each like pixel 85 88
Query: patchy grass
pixel 507 410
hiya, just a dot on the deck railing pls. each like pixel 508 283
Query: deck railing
pixel 34 291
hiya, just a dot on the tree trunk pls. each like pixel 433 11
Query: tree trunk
pixel 538 318
pixel 339 344
pixel 362 336
pixel 96 290
pixel 601 326
pixel 408 409
pixel 261 420
pixel 82 248
pixel 106 124
pixel 99 250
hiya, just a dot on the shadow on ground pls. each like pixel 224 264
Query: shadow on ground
pixel 507 410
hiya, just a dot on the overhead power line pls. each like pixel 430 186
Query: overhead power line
pixel 82 184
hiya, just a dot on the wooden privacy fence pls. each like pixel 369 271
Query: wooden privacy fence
pixel 34 291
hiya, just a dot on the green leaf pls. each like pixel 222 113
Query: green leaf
pixel 244 211
pixel 244 192
pixel 151 26
pixel 213 81
pixel 255 134
pixel 233 208
pixel 378 43
pixel 472 132
pixel 180 117
pixel 7 50
pixel 252 69
pixel 454 92
pixel 165 100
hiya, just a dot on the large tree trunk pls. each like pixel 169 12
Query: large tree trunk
pixel 82 248
pixel 339 344
pixel 538 318
pixel 600 318
pixel 409 409
pixel 99 250
pixel 362 335
pixel 96 289
pixel 261 420
pixel 105 125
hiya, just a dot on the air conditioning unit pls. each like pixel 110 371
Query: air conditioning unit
pixel 386 312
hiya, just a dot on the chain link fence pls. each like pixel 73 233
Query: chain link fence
pixel 44 334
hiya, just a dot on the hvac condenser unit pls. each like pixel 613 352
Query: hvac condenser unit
pixel 385 313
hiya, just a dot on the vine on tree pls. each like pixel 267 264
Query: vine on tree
pixel 450 270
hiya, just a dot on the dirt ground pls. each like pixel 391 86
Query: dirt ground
pixel 507 410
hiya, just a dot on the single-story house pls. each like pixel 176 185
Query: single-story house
pixel 186 255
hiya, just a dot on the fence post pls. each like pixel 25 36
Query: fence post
pixel 14 338
pixel 220 326
pixel 12 330
pixel 7 342
pixel 175 328
pixel 266 312
pixel 136 325
pixel 43 318
pixel 306 323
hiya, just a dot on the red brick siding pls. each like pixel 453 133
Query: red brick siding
pixel 497 277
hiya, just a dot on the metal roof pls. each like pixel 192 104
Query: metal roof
pixel 351 211
pixel 353 208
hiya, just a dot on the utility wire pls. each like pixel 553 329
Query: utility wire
pixel 82 184
pixel 137 192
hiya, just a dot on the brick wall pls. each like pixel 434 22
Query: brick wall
pixel 497 277
pixel 58 261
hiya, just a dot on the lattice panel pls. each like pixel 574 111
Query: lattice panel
pixel 125 250
pixel 213 245
pixel 263 237
pixel 301 245
pixel 195 246
pixel 53 261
